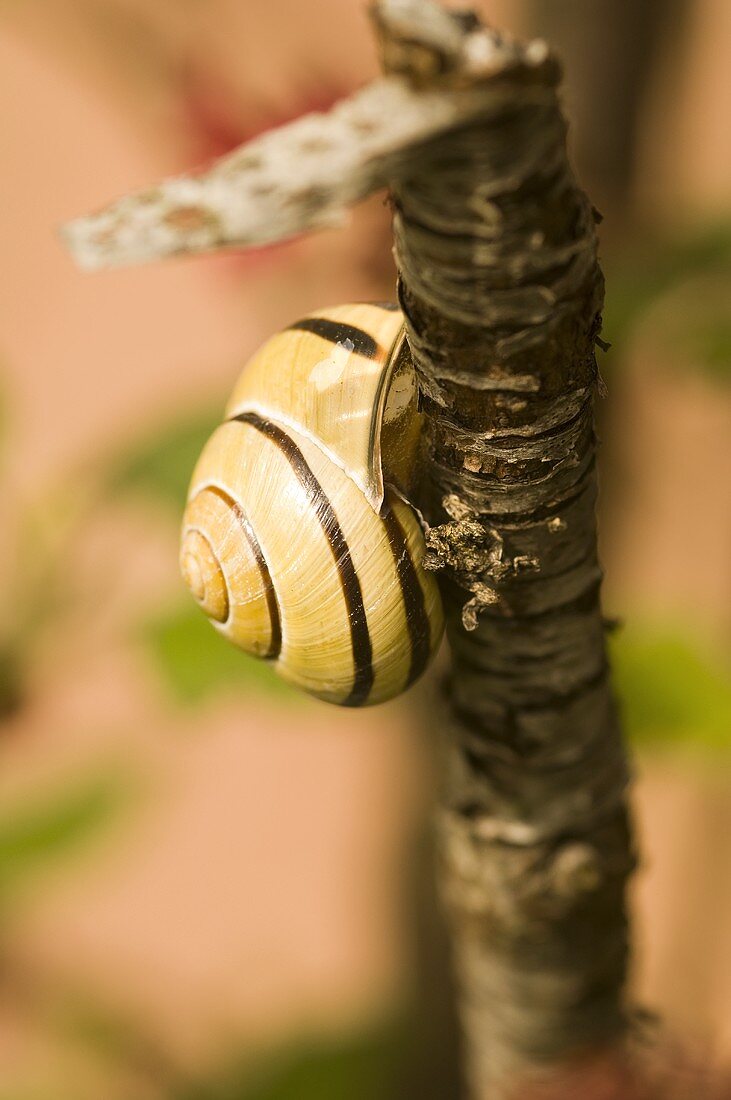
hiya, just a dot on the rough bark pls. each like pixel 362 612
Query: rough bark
pixel 502 293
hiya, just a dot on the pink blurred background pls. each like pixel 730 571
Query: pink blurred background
pixel 188 874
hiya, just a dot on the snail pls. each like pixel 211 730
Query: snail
pixel 298 540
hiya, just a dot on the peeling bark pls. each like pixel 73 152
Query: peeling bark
pixel 502 291
pixel 500 285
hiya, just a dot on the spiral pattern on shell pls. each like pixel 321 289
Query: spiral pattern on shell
pixel 286 545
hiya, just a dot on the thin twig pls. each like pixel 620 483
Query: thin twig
pixel 303 176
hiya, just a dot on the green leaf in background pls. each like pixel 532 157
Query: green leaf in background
pixel 710 339
pixel 160 464
pixel 55 824
pixel 671 689
pixel 649 270
pixel 692 328
pixel 369 1066
pixel 196 663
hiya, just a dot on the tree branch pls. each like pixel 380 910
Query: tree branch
pixel 502 293
pixel 306 175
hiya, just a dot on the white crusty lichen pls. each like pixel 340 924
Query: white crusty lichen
pixel 305 175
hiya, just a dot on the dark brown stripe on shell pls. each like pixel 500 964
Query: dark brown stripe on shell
pixel 352 592
pixel 337 332
pixel 275 620
pixel 392 307
pixel 417 620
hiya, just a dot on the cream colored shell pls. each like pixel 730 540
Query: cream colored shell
pixel 332 393
pixel 293 542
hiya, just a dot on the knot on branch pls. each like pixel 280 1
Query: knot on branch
pixel 475 555
pixel 429 46
pixel 418 39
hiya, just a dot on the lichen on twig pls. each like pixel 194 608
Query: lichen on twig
pixel 306 175
pixel 502 293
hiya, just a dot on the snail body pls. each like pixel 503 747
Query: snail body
pixel 298 541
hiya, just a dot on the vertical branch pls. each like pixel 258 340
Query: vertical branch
pixel 502 294
pixel 502 291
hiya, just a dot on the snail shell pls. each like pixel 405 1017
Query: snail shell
pixel 298 541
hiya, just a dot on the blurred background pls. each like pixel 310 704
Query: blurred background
pixel 209 887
